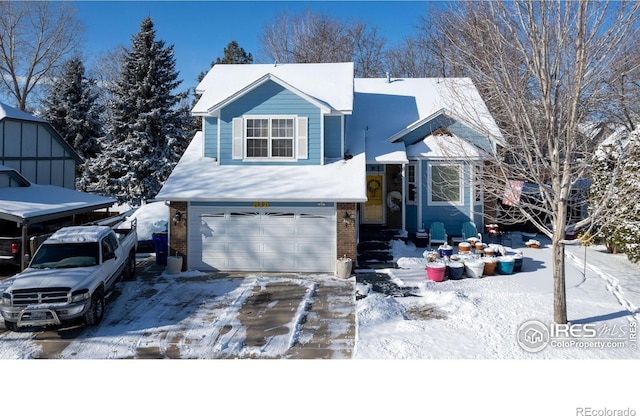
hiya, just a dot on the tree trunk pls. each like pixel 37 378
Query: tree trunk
pixel 559 288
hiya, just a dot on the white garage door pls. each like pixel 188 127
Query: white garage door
pixel 268 240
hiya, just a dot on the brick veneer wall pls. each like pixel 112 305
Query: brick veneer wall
pixel 178 232
pixel 346 234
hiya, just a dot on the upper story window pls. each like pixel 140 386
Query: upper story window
pixel 270 137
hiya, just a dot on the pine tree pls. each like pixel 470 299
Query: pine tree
pixel 73 110
pixel 233 54
pixel 146 135
pixel 621 230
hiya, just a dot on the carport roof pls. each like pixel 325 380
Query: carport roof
pixel 35 203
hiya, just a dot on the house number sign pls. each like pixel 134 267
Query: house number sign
pixel 260 204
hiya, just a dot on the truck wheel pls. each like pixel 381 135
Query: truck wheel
pixel 11 326
pixel 130 269
pixel 96 311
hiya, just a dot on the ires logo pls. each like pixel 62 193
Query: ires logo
pixel 534 336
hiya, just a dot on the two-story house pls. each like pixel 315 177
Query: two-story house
pixel 293 158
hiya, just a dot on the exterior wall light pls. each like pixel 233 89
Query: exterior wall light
pixel 177 217
pixel 346 218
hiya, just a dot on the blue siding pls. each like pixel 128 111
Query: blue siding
pixel 451 215
pixel 333 137
pixel 459 129
pixel 270 99
pixel 211 137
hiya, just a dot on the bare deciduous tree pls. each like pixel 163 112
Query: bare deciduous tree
pixel 541 67
pixel 314 37
pixel 35 40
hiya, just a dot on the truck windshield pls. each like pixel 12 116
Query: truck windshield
pixel 57 256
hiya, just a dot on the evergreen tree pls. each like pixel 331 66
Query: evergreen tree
pixel 146 134
pixel 233 54
pixel 621 230
pixel 72 107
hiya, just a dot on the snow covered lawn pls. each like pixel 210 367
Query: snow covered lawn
pixel 481 318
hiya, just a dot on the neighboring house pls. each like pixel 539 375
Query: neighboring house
pixel 31 146
pixel 293 158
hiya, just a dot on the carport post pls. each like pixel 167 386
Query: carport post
pixel 25 241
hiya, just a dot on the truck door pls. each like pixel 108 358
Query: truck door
pixel 109 261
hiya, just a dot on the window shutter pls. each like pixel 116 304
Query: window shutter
pixel 303 138
pixel 236 150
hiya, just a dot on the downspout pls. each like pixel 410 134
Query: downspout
pixel 404 199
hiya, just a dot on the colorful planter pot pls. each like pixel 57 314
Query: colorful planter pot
pixel 436 271
pixel 489 266
pixel 517 262
pixel 506 264
pixel 464 247
pixel 474 268
pixel 455 270
pixel 445 251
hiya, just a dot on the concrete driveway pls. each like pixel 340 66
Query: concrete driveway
pixel 206 316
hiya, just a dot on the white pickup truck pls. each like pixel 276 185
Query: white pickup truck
pixel 69 276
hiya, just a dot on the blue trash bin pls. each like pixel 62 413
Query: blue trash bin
pixel 161 243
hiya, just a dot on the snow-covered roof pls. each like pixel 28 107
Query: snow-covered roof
pixel 36 203
pixel 389 109
pixel 444 147
pixel 328 84
pixel 10 112
pixel 198 178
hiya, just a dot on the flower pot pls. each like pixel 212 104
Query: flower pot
pixel 474 268
pixel 464 247
pixel 505 265
pixel 174 264
pixel 343 267
pixel 445 251
pixel 436 271
pixel 455 270
pixel 489 267
pixel 517 262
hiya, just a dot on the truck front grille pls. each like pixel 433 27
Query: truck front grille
pixel 24 297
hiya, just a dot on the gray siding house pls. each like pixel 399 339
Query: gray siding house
pixel 31 146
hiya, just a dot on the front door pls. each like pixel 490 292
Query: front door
pixel 373 209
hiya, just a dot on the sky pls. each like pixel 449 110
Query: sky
pixel 200 30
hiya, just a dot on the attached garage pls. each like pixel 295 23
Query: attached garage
pixel 267 239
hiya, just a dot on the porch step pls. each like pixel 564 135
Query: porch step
pixel 374 249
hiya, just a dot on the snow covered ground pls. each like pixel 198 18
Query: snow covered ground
pixel 451 340
pixel 481 318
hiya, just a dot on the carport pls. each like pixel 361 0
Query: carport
pixel 26 203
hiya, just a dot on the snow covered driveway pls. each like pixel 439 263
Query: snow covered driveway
pixel 197 315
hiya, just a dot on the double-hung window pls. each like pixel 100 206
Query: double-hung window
pixel 269 138
pixel 445 184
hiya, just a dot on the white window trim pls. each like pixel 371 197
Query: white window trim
pixel 460 167
pixel 270 158
pixel 414 165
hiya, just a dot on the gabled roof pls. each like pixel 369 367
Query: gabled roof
pixel 326 84
pixel 10 112
pixel 388 109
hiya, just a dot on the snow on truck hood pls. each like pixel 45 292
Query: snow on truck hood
pixel 44 278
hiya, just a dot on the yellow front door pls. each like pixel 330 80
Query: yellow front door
pixel 374 207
